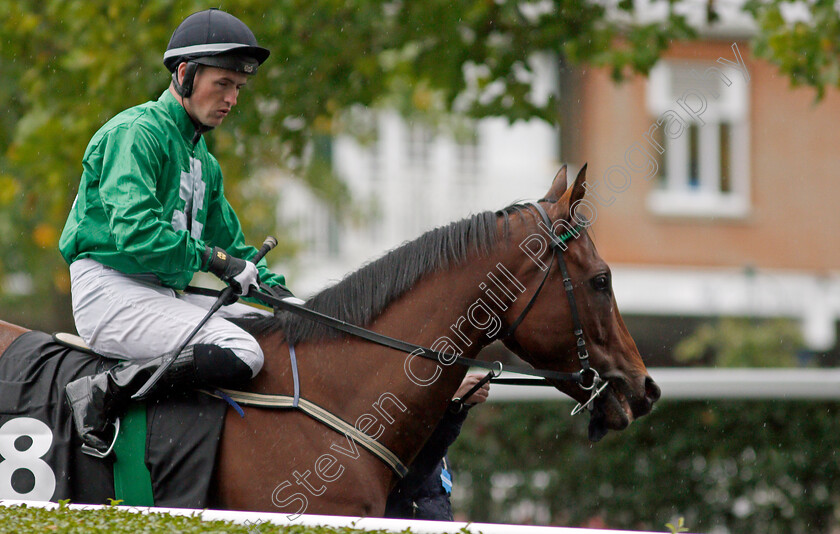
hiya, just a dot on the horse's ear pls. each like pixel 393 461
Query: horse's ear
pixel 558 186
pixel 578 189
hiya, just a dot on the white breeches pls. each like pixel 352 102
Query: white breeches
pixel 134 317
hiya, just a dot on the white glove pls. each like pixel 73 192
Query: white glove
pixel 246 279
pixel 240 274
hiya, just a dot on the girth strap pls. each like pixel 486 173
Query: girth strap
pixel 321 415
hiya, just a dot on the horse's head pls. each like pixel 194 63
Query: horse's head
pixel 543 317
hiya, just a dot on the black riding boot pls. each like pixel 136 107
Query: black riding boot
pixel 97 400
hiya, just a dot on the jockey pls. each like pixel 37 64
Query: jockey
pixel 149 214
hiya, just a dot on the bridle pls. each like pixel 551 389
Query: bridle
pixel 558 244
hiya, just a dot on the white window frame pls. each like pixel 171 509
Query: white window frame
pixel 675 196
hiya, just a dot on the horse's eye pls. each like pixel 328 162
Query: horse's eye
pixel 601 282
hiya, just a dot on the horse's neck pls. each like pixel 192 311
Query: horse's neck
pixel 436 313
pixel 405 394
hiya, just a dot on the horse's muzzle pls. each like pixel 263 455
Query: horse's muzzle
pixel 652 391
pixel 640 393
pixel 643 404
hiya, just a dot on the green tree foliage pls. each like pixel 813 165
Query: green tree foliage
pixel 67 66
pixel 805 45
pixel 746 466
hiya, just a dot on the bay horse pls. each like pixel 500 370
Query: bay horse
pixel 456 288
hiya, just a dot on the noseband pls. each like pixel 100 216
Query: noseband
pixel 558 245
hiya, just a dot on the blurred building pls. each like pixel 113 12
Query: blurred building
pixel 407 178
pixel 715 190
pixel 713 183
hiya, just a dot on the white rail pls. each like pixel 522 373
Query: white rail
pixel 361 523
pixel 704 383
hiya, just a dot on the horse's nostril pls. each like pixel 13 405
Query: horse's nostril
pixel 652 391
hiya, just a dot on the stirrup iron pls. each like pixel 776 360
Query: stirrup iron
pixel 96 453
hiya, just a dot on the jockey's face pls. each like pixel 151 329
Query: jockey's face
pixel 214 93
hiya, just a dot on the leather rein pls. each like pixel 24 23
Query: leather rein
pixel 587 378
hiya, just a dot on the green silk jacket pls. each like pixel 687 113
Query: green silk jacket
pixel 151 201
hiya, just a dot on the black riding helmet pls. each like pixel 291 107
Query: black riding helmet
pixel 214 38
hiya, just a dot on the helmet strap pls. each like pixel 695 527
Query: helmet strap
pixel 185 89
pixel 200 129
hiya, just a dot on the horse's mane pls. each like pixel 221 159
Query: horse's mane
pixel 361 296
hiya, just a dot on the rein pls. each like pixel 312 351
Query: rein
pixel 557 244
pixel 403 346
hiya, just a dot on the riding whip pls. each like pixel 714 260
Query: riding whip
pixel 223 298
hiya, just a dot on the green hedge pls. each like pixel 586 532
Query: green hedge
pixel 116 520
pixel 745 466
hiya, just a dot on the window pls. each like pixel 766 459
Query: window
pixel 419 147
pixel 700 132
pixel 467 153
pixel 467 164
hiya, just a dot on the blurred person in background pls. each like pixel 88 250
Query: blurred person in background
pixel 424 492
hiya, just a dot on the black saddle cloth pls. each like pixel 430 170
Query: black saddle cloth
pixel 41 452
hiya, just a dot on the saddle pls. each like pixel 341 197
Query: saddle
pixel 164 455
